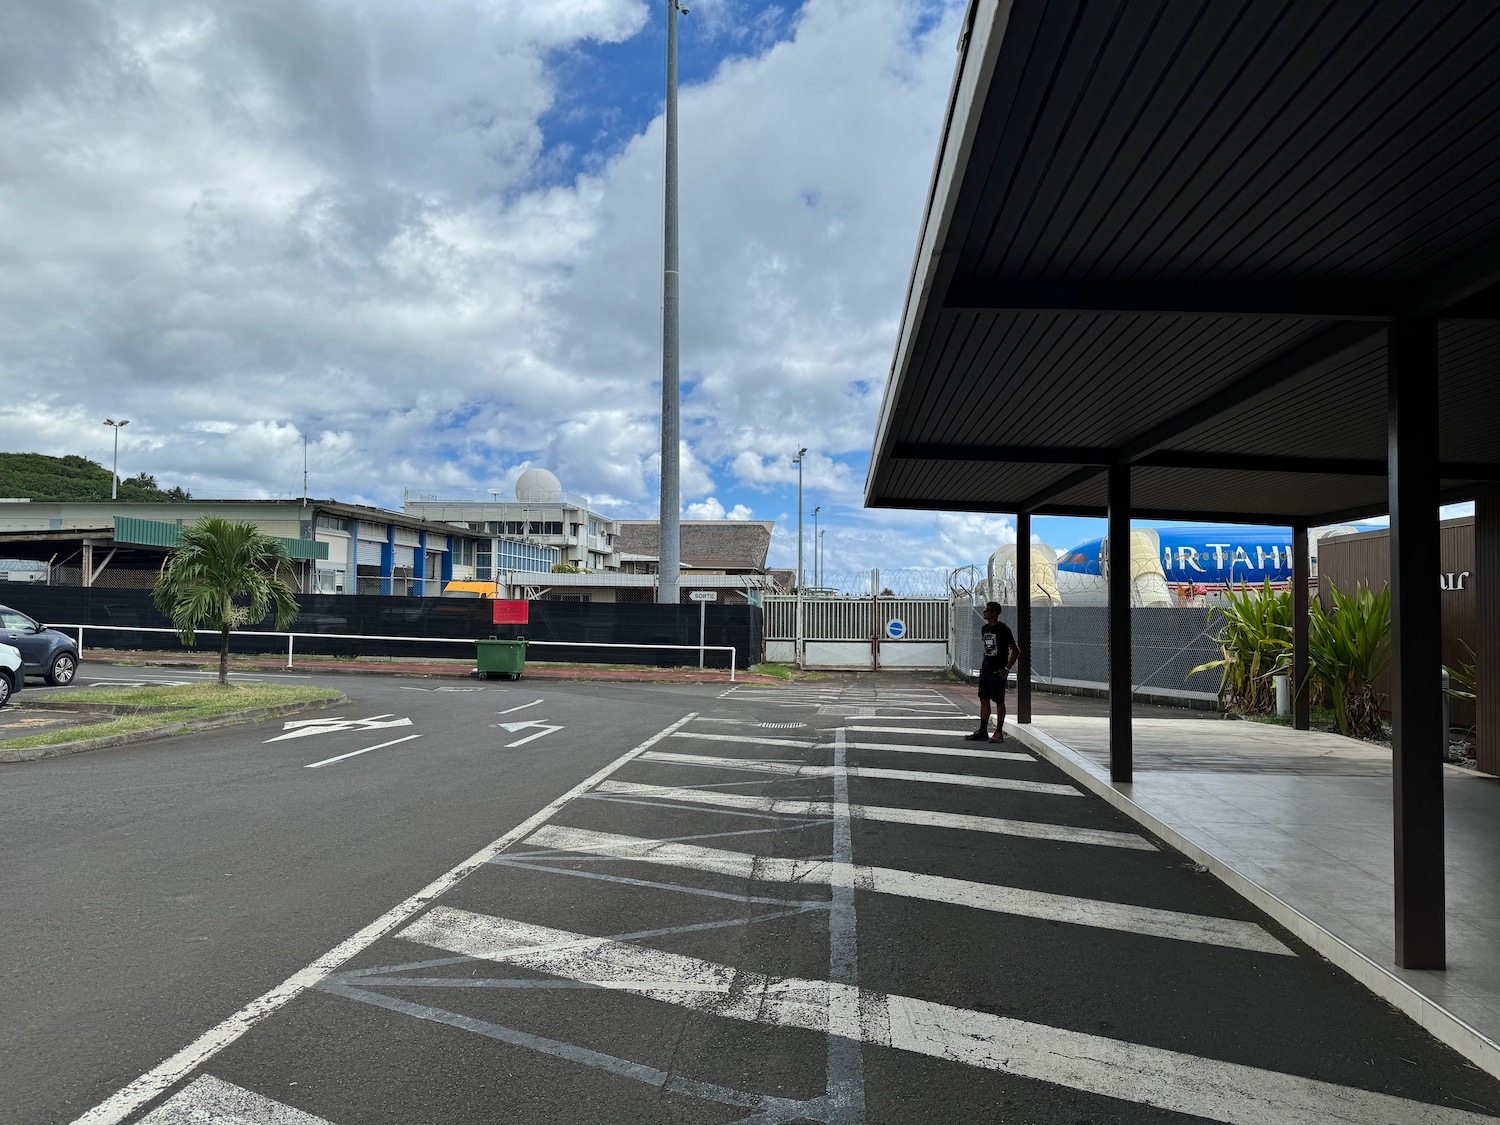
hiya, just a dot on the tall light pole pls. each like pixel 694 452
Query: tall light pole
pixel 821 556
pixel 114 476
pixel 797 460
pixel 816 510
pixel 669 552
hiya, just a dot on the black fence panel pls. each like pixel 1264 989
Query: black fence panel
pixel 336 617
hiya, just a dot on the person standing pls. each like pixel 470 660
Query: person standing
pixel 1000 656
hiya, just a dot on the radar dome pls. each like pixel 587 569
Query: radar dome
pixel 538 486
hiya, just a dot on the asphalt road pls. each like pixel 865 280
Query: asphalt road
pixel 766 905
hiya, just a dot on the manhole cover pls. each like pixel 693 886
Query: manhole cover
pixel 781 726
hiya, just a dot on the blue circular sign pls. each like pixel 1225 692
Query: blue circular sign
pixel 895 629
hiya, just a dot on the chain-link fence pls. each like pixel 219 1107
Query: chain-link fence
pixel 1071 644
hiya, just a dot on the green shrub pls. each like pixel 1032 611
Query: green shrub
pixel 1256 640
pixel 1347 650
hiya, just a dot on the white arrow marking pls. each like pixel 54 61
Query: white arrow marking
pixel 513 727
pixel 522 707
pixel 300 728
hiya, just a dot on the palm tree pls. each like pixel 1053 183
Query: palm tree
pixel 225 575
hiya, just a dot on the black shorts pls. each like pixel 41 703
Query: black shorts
pixel 992 685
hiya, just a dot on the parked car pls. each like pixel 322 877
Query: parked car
pixel 11 675
pixel 44 652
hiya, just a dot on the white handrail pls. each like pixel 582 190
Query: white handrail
pixel 290 640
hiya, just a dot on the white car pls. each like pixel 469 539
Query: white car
pixel 11 674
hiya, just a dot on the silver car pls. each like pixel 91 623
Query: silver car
pixel 11 675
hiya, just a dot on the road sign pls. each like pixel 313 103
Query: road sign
pixel 704 596
pixel 895 629
pixel 511 612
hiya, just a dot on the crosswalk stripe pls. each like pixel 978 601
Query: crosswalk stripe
pixel 1131 1072
pixel 748 739
pixel 1039 830
pixel 949 733
pixel 1146 920
pixel 794 769
pixel 946 751
pixel 210 1099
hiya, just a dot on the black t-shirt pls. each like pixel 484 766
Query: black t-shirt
pixel 997 640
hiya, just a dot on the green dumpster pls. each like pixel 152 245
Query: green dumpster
pixel 502 658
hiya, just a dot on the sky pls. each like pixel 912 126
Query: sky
pixel 425 240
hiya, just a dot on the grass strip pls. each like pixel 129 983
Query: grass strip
pixel 171 703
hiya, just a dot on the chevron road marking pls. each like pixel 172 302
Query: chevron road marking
pixel 1039 830
pixel 1149 921
pixel 1132 1072
pixel 209 1099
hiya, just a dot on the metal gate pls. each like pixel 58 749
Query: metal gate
pixel 864 633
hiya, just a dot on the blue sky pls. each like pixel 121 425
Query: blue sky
pixel 426 241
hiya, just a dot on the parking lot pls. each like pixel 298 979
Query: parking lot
pixel 619 903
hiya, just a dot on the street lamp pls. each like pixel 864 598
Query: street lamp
pixel 114 477
pixel 816 510
pixel 797 460
pixel 819 546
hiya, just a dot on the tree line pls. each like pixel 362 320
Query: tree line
pixel 36 476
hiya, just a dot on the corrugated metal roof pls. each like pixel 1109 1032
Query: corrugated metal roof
pixel 156 533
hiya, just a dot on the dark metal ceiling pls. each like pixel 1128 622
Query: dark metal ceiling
pixel 1170 234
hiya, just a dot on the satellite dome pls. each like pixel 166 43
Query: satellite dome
pixel 538 486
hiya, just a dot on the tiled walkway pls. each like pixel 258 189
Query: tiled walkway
pixel 1304 819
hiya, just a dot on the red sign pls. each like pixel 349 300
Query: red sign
pixel 510 612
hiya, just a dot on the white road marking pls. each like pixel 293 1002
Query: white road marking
pixel 332 724
pixel 748 739
pixel 522 707
pixel 167 1073
pixel 1039 830
pixel 845 1073
pixel 208 1099
pixel 906 729
pixel 1124 917
pixel 1131 1072
pixel 357 753
pixel 545 730
pixel 947 751
pixel 760 765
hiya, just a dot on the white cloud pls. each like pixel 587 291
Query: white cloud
pixel 712 509
pixel 240 225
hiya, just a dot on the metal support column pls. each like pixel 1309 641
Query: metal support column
pixel 1301 717
pixel 1023 616
pixel 1417 643
pixel 1486 579
pixel 1121 749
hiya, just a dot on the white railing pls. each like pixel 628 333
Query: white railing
pixel 700 649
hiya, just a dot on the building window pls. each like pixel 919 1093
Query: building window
pixel 332 523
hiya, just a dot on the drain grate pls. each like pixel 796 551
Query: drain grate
pixel 781 726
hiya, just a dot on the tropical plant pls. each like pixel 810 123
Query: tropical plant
pixel 1463 677
pixel 1256 639
pixel 224 575
pixel 1348 649
pixel 565 568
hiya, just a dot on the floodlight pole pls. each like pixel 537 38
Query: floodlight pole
pixel 815 512
pixel 669 553
pixel 797 460
pixel 114 476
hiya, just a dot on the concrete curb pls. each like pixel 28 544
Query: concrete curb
pixel 250 715
pixel 1478 1048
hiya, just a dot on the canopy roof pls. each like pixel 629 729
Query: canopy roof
pixel 1171 235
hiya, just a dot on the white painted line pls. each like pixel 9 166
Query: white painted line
pixel 1130 1072
pixel 1039 830
pixel 845 1074
pixel 209 1099
pixel 905 729
pixel 1123 917
pixel 947 751
pixel 750 740
pixel 522 707
pixel 357 753
pixel 167 1073
pixel 759 765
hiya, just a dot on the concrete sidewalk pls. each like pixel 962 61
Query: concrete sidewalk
pixel 1300 823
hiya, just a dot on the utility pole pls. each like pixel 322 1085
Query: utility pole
pixel 669 553
pixel 815 512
